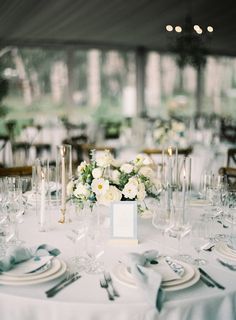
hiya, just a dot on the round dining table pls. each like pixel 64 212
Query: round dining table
pixel 86 300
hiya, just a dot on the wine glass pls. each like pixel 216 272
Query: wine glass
pixel 77 234
pixel 161 216
pixel 95 240
pixel 198 240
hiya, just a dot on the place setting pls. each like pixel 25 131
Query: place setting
pixel 30 266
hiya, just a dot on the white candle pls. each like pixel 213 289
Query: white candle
pixel 184 193
pixel 176 167
pixel 42 202
pixel 63 183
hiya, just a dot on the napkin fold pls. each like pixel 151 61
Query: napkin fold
pixel 15 255
pixel 148 280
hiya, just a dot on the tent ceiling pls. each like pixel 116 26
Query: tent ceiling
pixel 113 24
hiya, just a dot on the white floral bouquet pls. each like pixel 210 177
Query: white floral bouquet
pixel 104 180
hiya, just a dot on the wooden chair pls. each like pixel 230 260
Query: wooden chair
pixel 230 175
pixel 16 171
pixel 231 157
pixel 185 152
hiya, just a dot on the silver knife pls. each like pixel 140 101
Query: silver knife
pixel 218 285
pixel 68 277
pixel 52 293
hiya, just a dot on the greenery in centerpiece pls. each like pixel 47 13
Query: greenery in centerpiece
pixel 105 180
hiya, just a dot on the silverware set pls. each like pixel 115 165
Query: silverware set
pixel 62 284
pixel 209 281
pixel 228 265
pixel 107 284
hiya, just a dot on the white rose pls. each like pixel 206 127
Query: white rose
pixel 81 190
pixel 112 195
pixel 130 190
pixel 141 192
pixel 127 168
pixel 134 181
pixel 97 173
pixel 82 166
pixel 115 176
pixel 147 172
pixel 100 186
pixel 105 160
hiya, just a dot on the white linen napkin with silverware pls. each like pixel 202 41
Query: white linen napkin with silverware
pixel 16 255
pixel 147 279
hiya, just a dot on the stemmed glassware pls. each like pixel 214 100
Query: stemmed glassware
pixel 14 207
pixel 198 239
pixel 95 240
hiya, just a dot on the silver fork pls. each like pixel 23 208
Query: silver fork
pixel 108 279
pixel 104 285
pixel 231 267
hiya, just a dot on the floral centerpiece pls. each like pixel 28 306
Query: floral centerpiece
pixel 105 180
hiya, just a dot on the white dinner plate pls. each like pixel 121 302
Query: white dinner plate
pixel 223 250
pixel 24 268
pixel 190 277
pixel 39 279
pixel 55 267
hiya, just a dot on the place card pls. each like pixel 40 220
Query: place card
pixel 124 222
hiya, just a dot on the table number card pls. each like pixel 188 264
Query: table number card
pixel 124 222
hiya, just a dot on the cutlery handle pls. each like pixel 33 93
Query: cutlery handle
pixel 60 283
pixel 208 283
pixel 52 293
pixel 115 292
pixel 110 296
pixel 211 279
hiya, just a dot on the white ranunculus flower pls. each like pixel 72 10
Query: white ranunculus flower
pixel 141 192
pixel 105 159
pixel 81 167
pixel 112 195
pixel 97 173
pixel 134 181
pixel 130 190
pixel 127 168
pixel 69 188
pixel 147 172
pixel 100 186
pixel 81 190
pixel 115 175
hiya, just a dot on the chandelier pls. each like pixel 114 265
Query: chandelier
pixel 189 42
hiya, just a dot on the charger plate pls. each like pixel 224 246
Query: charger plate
pixel 58 269
pixel 190 277
pixel 223 250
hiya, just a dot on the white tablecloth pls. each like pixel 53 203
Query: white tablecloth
pixel 85 300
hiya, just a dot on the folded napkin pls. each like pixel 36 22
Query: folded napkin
pixel 15 255
pixel 148 280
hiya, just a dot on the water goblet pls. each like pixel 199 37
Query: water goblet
pixel 198 240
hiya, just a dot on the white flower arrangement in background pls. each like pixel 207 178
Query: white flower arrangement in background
pixel 104 180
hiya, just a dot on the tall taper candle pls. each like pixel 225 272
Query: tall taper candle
pixel 42 202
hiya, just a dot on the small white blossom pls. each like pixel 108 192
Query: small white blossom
pixel 81 167
pixel 127 168
pixel 112 195
pixel 81 190
pixel 115 175
pixel 130 190
pixel 100 186
pixel 97 173
pixel 147 172
pixel 104 160
pixel 141 192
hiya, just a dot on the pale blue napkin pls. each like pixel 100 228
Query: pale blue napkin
pixel 147 279
pixel 15 255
